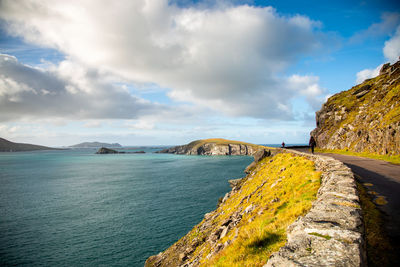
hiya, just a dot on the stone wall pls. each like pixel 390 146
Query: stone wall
pixel 331 233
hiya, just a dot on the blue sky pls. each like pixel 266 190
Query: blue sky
pixel 168 72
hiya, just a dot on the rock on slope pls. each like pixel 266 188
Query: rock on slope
pixel 365 118
pixel 214 147
pixel 7 146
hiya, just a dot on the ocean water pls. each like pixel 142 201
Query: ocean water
pixel 75 208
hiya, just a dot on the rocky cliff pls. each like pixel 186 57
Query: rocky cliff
pixel 365 118
pixel 214 147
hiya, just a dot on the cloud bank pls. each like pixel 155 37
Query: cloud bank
pixel 226 58
pixel 65 91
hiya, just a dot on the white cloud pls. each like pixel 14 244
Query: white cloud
pixel 309 87
pixel 145 124
pixel 31 93
pixel 367 74
pixel 391 49
pixel 227 58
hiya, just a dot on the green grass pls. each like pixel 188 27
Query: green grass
pixel 395 159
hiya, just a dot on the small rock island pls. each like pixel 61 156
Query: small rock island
pixel 104 150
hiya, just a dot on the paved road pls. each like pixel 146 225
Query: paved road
pixel 385 180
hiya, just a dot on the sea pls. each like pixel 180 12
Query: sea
pixel 76 208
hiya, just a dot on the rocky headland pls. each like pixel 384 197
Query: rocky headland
pixel 8 146
pixel 365 118
pixel 214 147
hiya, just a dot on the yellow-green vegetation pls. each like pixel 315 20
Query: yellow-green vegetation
pixel 280 191
pixel 218 141
pixel 270 199
pixel 395 159
pixel 379 250
pixel 377 101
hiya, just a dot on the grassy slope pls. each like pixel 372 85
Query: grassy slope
pixel 378 103
pixel 395 159
pixel 281 190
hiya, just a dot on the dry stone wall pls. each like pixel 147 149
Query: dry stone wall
pixel 332 232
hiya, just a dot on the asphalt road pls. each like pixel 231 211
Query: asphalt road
pixel 385 180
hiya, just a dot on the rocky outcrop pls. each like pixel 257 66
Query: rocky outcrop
pixel 331 233
pixel 105 150
pixel 365 118
pixel 213 147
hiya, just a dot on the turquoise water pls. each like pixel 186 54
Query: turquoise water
pixel 75 208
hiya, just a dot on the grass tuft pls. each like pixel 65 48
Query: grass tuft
pixel 327 237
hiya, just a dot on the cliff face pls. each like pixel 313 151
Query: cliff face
pixel 214 147
pixel 365 118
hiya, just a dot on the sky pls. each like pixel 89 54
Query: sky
pixel 159 72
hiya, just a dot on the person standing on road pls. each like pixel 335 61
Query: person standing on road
pixel 312 144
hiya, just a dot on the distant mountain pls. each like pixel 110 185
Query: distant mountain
pixel 7 146
pixel 95 145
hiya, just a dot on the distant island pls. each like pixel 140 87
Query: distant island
pixel 104 150
pixel 8 146
pixel 95 145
